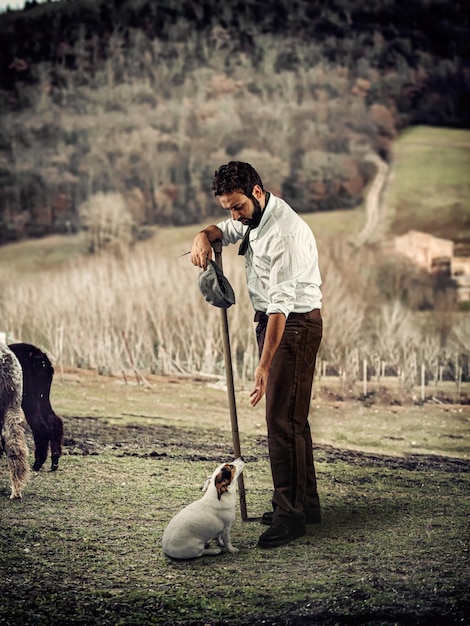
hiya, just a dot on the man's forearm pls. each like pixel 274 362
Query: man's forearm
pixel 213 233
pixel 274 332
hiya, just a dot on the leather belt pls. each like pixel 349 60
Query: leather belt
pixel 314 314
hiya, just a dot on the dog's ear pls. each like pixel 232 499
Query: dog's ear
pixel 223 480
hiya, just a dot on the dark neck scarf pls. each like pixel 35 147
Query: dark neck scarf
pixel 246 237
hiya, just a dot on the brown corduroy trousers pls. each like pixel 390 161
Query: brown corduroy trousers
pixel 288 395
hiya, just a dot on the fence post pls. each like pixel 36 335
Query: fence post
pixel 364 377
pixel 458 381
pixel 423 381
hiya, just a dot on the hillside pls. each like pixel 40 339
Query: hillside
pixel 443 212
pixel 130 106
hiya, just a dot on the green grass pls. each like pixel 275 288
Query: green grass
pixel 36 255
pixel 332 224
pixel 85 542
pixel 431 186
pixel 83 547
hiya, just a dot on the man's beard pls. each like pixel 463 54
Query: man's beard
pixel 257 213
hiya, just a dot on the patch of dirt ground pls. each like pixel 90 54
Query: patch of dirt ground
pixel 92 435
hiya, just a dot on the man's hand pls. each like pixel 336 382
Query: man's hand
pixel 274 332
pixel 261 379
pixel 201 250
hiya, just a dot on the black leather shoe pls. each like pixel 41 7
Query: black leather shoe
pixel 280 535
pixel 312 517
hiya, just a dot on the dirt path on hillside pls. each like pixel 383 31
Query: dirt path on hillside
pixel 373 226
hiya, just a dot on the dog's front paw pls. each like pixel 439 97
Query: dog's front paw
pixel 232 549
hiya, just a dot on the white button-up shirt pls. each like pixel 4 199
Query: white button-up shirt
pixel 281 262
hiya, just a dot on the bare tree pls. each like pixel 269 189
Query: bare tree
pixel 107 221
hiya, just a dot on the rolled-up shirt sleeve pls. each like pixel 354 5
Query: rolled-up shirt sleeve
pixel 287 268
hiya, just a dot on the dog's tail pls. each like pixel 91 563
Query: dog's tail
pixel 14 442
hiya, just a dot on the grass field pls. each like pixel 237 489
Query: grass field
pixel 83 546
pixel 430 191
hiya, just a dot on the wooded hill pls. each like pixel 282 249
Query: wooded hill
pixel 124 108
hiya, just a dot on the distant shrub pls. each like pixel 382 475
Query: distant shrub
pixel 107 221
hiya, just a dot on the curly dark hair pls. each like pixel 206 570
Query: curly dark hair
pixel 236 176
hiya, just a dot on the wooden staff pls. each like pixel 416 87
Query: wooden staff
pixel 217 247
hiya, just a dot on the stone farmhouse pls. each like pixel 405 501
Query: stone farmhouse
pixel 436 254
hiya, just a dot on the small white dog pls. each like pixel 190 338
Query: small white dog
pixel 188 534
